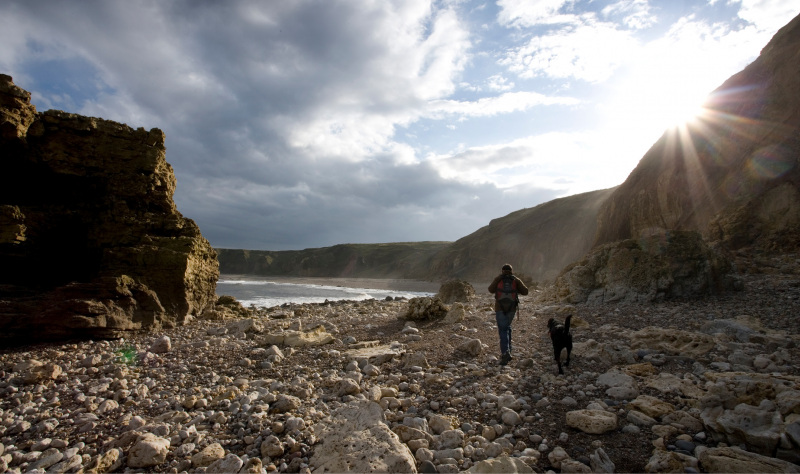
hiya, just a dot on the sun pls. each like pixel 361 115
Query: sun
pixel 646 109
pixel 678 108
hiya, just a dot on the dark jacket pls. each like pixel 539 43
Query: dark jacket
pixel 521 289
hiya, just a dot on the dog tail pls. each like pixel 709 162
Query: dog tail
pixel 566 324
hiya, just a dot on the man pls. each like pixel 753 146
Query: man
pixel 506 288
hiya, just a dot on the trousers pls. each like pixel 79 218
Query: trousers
pixel 504 329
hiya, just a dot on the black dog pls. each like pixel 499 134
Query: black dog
pixel 562 339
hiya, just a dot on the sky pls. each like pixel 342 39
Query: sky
pixel 310 123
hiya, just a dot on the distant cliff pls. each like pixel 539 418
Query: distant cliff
pixel 390 260
pixel 91 243
pixel 733 175
pixel 538 241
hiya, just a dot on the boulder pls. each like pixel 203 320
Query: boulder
pixel 620 386
pixel 208 455
pixel 91 243
pixel 730 459
pixel 592 421
pixel 759 428
pixel 425 308
pixel 652 406
pixel 455 290
pixel 672 341
pixel 357 439
pixel 149 450
pixel 471 347
pixel 456 314
pixel 503 464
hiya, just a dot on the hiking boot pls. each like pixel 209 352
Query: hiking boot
pixel 505 358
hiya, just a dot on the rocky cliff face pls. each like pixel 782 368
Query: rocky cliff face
pixel 538 242
pixel 676 264
pixel 90 240
pixel 732 175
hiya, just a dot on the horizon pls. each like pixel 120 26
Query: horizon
pixel 315 124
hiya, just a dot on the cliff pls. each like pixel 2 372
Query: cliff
pixel 91 243
pixel 389 260
pixel 538 242
pixel 733 173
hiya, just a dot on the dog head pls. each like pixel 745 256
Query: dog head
pixel 551 324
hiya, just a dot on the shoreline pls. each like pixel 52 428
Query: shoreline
pixel 390 284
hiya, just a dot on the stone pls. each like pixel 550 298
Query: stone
pixel 592 421
pixel 620 386
pixel 732 459
pixel 160 345
pixel 600 462
pixel 640 419
pixel 652 406
pixel 456 314
pixel 70 464
pixel 501 465
pixel 455 290
pixel 670 461
pixel 47 459
pixel 285 403
pixel 557 456
pixel 358 440
pixel 471 347
pixel 317 336
pixel 109 461
pixel 673 342
pixel 451 439
pixel 230 463
pixel 271 447
pixel 439 424
pixel 759 428
pixel 208 455
pixel 415 359
pixel 425 308
pixel 572 465
pixel 510 417
pixel 685 419
pixel 347 387
pixel 149 450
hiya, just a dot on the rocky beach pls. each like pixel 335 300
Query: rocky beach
pixel 695 385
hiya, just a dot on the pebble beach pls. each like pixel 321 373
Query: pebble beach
pixel 652 388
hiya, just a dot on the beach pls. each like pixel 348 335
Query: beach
pixel 372 283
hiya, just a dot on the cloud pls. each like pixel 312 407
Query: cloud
pixel 523 13
pixel 768 14
pixel 635 14
pixel 315 122
pixel 489 106
pixel 589 52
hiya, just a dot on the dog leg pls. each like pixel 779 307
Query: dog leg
pixel 569 350
pixel 557 353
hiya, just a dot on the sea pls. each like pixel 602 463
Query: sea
pixel 263 293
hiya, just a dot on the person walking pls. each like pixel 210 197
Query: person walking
pixel 506 288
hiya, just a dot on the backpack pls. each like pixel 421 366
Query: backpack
pixel 506 293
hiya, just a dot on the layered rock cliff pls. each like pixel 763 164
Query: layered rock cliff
pixel 733 174
pixel 91 243
pixel 538 242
